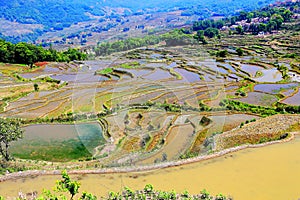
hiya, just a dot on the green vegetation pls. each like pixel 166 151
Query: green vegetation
pixel 174 73
pixel 79 145
pixel 261 110
pixel 247 122
pixel 240 51
pixel 131 65
pixel 273 19
pixel 68 188
pixel 182 100
pixel 54 16
pixel 55 151
pixel 173 38
pixel 24 53
pixel 36 87
pixel 10 130
pixel 222 53
pixel 67 185
pixel 105 71
pixel 48 79
pixel 284 70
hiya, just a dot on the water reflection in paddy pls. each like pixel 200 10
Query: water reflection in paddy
pixel 293 100
pixel 270 75
pixel 187 76
pixel 30 75
pixel 274 88
pixel 228 66
pixel 158 74
pixel 258 98
pixel 251 69
pixel 288 92
pixel 79 77
pixel 156 65
pixel 139 72
pixel 172 65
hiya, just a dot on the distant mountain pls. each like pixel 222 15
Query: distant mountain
pixel 26 20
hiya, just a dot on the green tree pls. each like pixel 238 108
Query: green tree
pixel 272 25
pixel 10 130
pixel 204 194
pixel 240 51
pixel 36 87
pixel 219 24
pixel 222 53
pixel 211 32
pixel 6 51
pixel 250 15
pixel 243 15
pixel 68 185
pixel 87 196
pixel 239 29
pixel 200 37
pixel 278 19
pixel 287 14
pixel 24 53
pixel 220 197
pixel 262 27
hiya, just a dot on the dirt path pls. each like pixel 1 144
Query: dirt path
pixel 15 85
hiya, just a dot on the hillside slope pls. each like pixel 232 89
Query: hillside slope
pixel 23 20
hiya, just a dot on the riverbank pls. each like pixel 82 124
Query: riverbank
pixel 239 171
pixel 34 173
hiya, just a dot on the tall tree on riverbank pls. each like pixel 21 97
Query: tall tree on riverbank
pixel 10 130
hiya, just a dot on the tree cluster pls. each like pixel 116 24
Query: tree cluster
pixel 276 17
pixel 279 108
pixel 173 38
pixel 10 130
pixel 24 53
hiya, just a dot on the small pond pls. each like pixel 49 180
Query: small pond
pixel 58 142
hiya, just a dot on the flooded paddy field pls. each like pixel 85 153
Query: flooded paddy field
pixel 294 99
pixel 275 88
pixel 258 98
pixel 156 77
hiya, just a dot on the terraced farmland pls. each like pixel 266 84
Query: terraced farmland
pixel 154 105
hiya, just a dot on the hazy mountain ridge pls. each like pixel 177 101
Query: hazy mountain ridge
pixel 56 15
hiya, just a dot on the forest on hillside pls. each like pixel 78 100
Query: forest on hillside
pixel 55 15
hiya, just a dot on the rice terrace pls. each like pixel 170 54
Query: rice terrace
pixel 215 100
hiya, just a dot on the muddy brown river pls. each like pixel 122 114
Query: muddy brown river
pixel 270 172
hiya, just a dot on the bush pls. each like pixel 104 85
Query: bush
pixel 222 53
pixel 240 51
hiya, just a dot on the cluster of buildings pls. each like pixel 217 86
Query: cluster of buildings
pixel 246 24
